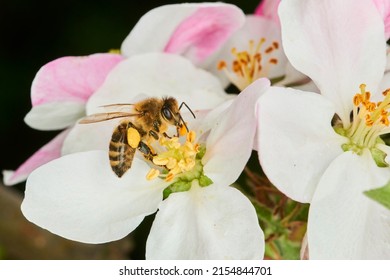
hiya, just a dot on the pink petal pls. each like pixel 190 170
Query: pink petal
pixel 50 151
pixel 384 9
pixel 71 78
pixel 268 9
pixel 204 32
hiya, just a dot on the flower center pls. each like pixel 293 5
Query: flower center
pixel 370 120
pixel 179 163
pixel 249 65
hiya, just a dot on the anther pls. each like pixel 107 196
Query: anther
pixel 152 174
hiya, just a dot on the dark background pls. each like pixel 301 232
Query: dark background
pixel 33 33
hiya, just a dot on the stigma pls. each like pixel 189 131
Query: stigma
pixel 249 65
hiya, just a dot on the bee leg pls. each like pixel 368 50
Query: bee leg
pixel 146 151
pixel 153 134
pixel 167 136
pixel 156 125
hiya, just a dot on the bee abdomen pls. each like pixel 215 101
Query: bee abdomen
pixel 121 154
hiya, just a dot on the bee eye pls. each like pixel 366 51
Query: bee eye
pixel 167 113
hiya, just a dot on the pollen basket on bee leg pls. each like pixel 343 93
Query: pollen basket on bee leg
pixel 133 137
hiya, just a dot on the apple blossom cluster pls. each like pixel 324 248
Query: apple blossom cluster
pixel 313 101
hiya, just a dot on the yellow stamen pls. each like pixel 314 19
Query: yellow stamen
pixel 191 136
pixel 160 161
pixel 247 65
pixel 370 119
pixel 177 158
pixel 153 173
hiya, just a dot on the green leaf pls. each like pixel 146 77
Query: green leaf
pixel 381 195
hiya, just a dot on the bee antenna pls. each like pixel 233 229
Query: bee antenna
pixel 183 122
pixel 189 109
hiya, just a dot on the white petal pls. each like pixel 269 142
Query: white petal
pixel 296 140
pixel 385 84
pixel 292 76
pixel 338 44
pixel 55 115
pixel 230 142
pixel 213 222
pixel 88 137
pixel 255 28
pixel 343 222
pixel 79 197
pixel 194 30
pixel 159 75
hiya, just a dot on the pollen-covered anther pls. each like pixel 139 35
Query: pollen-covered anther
pixel 384 118
pixel 153 173
pixel 177 158
pixel 370 120
pixel 160 161
pixel 191 136
pixel 221 65
pixel 251 64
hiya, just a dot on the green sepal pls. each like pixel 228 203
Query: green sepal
pixel 205 181
pixel 380 195
pixel 178 186
pixel 201 153
pixel 353 148
pixel 277 79
pixel 379 157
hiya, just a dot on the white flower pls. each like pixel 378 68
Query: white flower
pixel 59 93
pixel 194 30
pixel 326 149
pixel 62 87
pixel 79 197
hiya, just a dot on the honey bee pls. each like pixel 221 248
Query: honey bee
pixel 149 120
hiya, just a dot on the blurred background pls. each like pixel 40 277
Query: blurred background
pixel 32 33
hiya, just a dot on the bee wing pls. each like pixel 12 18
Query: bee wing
pixel 106 116
pixel 119 106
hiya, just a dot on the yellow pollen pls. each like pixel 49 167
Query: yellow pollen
pixel 269 50
pixel 182 130
pixel 169 177
pixel 191 136
pixel 177 157
pixel 273 61
pixel 249 65
pixel 133 137
pixel 153 173
pixel 221 65
pixel 160 161
pixel 357 99
pixel 370 119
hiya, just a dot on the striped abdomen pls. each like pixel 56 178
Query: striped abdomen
pixel 120 152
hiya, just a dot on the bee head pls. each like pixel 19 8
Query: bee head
pixel 170 111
